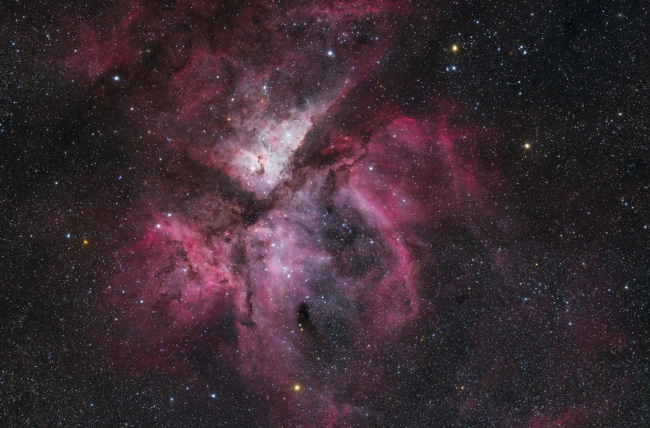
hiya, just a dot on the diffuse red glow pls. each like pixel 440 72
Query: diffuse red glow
pixel 299 257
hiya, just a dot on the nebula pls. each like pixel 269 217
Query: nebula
pixel 307 231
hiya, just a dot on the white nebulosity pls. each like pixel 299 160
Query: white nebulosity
pixel 263 148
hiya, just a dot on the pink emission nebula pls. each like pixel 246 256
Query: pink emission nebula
pixel 295 244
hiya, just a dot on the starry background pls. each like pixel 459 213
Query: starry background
pixel 561 90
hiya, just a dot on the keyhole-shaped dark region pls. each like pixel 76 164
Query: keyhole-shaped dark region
pixel 303 317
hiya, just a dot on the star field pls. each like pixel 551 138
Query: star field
pixel 324 214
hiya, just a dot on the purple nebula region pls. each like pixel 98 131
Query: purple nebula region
pixel 313 243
